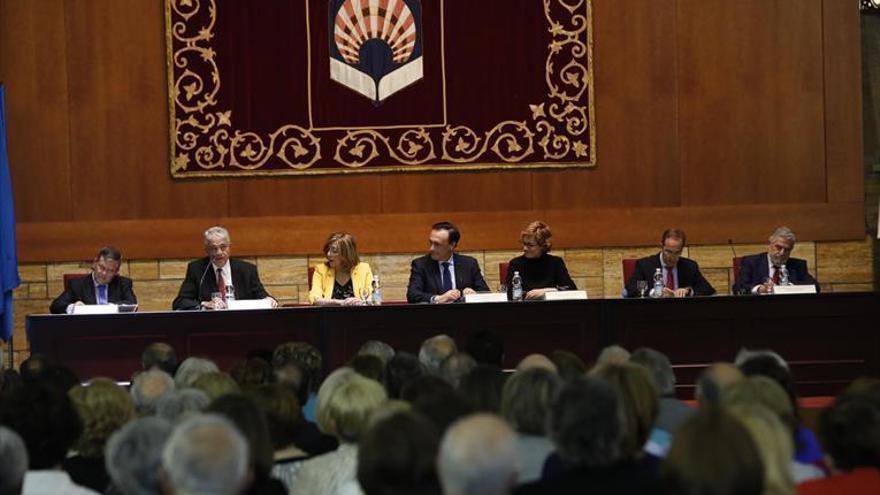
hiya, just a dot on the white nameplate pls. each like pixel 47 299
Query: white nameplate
pixel 95 309
pixel 794 289
pixel 565 295
pixel 486 297
pixel 249 304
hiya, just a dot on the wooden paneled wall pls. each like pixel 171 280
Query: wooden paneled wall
pixel 724 118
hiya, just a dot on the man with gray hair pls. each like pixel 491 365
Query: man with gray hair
pixel 434 350
pixel 227 274
pixel 15 462
pixel 760 272
pixel 377 348
pixel 206 455
pixel 673 412
pixel 181 404
pixel 147 388
pixel 478 456
pixel 134 454
pixel 191 369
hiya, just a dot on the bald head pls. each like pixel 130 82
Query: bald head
pixel 537 361
pixel 435 350
pixel 478 456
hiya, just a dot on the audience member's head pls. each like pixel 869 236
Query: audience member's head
pixel 134 454
pixel 437 400
pixel 613 354
pixel 46 421
pixel 536 361
pixel 586 424
pixel 482 388
pixel 377 348
pixel 346 412
pixel 147 388
pixel 712 453
pixel 478 456
pixel 181 404
pixel 303 357
pixel 283 413
pixel 397 456
pixel 661 369
pixel 765 392
pixel 15 462
pixel 34 368
pixel 486 347
pixel 103 407
pixel 368 366
pixel 191 369
pixel 336 379
pixel 456 366
pixel 205 454
pixel 569 364
pixel 771 365
pixel 252 373
pixel 639 398
pixel 434 350
pixel 216 384
pixel 850 433
pixel 866 387
pixel 774 443
pixel 713 380
pixel 251 422
pixel 402 368
pixel 159 355
pixel 526 399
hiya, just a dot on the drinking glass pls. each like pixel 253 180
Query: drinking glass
pixel 642 286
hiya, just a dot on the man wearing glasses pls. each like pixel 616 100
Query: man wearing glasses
pixel 681 276
pixel 760 272
pixel 102 286
pixel 203 290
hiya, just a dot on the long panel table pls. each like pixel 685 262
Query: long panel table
pixel 829 339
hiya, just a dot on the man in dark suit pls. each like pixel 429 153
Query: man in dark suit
pixel 199 286
pixel 104 285
pixel 759 272
pixel 442 276
pixel 681 276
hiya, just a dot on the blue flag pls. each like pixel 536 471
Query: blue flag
pixel 9 278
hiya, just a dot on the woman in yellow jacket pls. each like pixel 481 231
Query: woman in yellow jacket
pixel 342 280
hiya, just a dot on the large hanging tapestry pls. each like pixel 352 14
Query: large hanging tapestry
pixel 348 86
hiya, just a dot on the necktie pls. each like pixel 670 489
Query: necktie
pixel 775 275
pixel 445 278
pixel 221 284
pixel 102 294
pixel 670 280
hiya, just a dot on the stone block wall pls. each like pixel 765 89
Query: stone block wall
pixel 839 267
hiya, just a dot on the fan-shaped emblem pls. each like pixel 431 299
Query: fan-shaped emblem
pixel 375 45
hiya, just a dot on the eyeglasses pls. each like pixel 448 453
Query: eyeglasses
pixel 671 252
pixel 529 244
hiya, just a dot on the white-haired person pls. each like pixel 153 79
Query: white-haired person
pixel 199 287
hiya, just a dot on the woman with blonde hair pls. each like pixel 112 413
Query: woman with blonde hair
pixel 342 280
pixel 540 272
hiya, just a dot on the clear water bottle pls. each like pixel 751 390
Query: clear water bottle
pixel 230 294
pixel 516 290
pixel 377 291
pixel 783 276
pixel 657 290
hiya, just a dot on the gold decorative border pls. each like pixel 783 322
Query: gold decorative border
pixel 299 148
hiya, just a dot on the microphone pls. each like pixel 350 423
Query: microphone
pixel 201 280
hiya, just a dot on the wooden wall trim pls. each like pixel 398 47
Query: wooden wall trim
pixel 392 233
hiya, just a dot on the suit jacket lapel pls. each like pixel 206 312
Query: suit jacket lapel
pixel 434 276
pixel 88 290
pixel 459 271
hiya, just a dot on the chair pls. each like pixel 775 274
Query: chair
pixel 502 271
pixel 629 268
pixel 72 276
